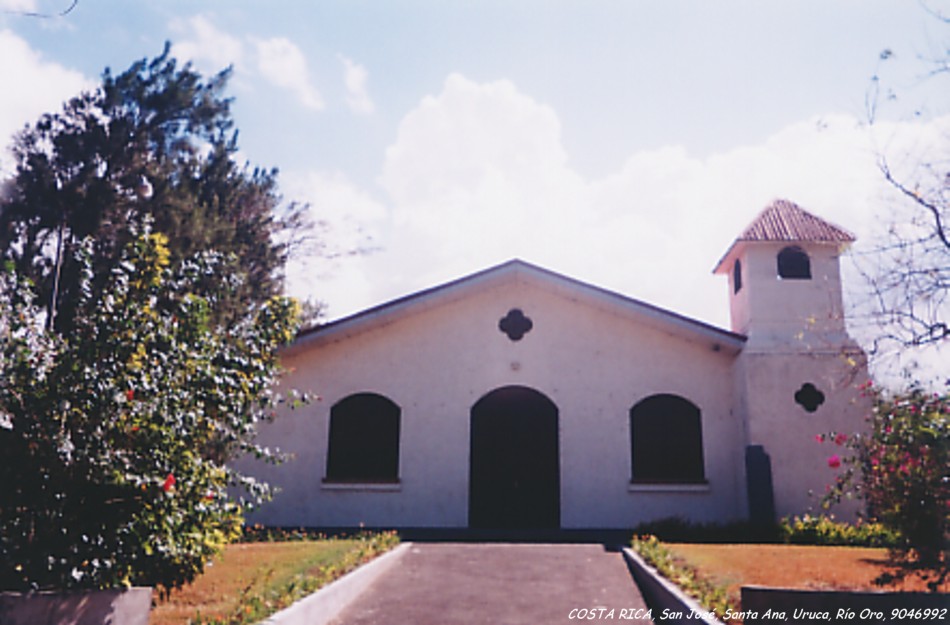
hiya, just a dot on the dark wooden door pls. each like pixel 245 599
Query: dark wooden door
pixel 515 469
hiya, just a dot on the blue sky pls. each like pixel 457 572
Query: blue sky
pixel 620 142
pixel 622 75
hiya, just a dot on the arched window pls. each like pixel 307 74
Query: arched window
pixel 793 264
pixel 364 440
pixel 736 276
pixel 666 440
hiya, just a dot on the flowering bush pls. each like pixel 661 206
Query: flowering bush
pixel 902 470
pixel 115 439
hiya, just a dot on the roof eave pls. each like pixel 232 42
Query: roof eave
pixel 389 312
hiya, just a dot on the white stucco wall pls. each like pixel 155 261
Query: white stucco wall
pixel 800 467
pixel 593 361
pixel 769 309
pixel 796 335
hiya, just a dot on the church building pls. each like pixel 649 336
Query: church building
pixel 519 398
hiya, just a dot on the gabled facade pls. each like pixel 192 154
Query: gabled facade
pixel 520 398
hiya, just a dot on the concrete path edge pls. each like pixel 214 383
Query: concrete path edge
pixel 324 605
pixel 661 594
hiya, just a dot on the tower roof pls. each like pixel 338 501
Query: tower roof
pixel 783 220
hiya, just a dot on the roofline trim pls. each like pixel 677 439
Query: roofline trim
pixel 356 322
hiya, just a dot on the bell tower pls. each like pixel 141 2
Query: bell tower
pixel 784 278
pixel 798 372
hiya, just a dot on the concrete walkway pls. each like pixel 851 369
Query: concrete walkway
pixel 499 584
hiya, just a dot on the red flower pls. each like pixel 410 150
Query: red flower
pixel 169 483
pixel 820 438
pixel 130 394
pixel 834 461
pixel 840 439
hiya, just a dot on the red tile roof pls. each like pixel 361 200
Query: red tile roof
pixel 783 220
pixel 786 221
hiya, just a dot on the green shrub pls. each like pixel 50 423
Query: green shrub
pixel 258 533
pixel 804 530
pixel 675 529
pixel 824 530
pixel 115 439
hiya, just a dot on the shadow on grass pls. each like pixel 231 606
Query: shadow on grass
pixel 897 568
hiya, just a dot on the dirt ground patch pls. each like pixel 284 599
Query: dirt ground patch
pixel 244 566
pixel 793 566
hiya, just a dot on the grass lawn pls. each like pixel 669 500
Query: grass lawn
pixel 256 570
pixel 793 566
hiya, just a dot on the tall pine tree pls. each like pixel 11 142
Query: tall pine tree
pixel 155 142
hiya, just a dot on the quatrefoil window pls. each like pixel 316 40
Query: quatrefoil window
pixel 515 324
pixel 809 397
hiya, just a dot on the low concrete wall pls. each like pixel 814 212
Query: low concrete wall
pixel 668 602
pixel 324 605
pixel 96 607
pixel 775 605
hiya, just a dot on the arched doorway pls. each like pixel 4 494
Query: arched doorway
pixel 514 478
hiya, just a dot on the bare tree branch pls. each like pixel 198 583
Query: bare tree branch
pixel 62 13
pixel 935 210
pixel 907 269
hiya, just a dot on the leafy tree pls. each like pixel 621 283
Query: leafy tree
pixel 157 140
pixel 901 469
pixel 116 438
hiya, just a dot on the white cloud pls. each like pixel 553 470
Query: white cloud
pixel 277 60
pixel 355 77
pixel 478 174
pixel 18 5
pixel 34 86
pixel 346 219
pixel 208 47
pixel 282 63
pixel 332 198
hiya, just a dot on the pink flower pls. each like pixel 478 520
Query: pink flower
pixel 819 438
pixel 834 461
pixel 169 483
pixel 841 439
